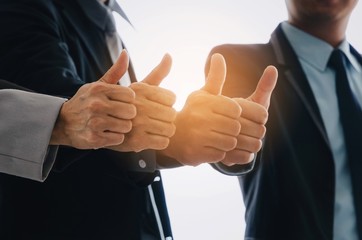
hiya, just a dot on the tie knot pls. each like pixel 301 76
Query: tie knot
pixel 336 59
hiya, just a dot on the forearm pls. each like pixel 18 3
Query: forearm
pixel 27 127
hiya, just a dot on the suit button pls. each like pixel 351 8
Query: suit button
pixel 142 163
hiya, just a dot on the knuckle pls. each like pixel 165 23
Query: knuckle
pixel 172 130
pixel 138 87
pixel 127 126
pixel 218 156
pixel 93 140
pixel 162 143
pixel 231 144
pixel 261 131
pixel 95 105
pixel 94 123
pixel 264 117
pixel 258 146
pixel 129 111
pixel 96 87
pixel 235 126
pixel 173 114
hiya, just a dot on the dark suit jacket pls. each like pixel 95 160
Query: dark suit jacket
pixel 52 47
pixel 290 192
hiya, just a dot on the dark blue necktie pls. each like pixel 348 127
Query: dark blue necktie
pixel 351 118
pixel 349 109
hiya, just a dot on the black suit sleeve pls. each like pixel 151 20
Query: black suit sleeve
pixel 9 85
pixel 32 52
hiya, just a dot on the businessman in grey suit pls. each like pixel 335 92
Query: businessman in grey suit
pixel 34 125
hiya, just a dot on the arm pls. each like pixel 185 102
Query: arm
pixel 33 121
pixel 26 129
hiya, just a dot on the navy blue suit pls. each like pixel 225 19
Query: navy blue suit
pixel 290 192
pixel 52 47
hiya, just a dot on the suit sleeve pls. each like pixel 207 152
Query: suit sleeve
pixel 26 126
pixel 33 53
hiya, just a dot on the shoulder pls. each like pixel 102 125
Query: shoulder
pixel 27 9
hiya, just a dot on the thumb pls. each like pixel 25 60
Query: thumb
pixel 159 72
pixel 265 87
pixel 119 68
pixel 216 77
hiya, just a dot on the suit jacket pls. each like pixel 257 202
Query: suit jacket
pixel 52 47
pixel 22 122
pixel 290 192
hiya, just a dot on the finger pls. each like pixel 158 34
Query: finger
pixel 252 111
pixel 122 110
pixel 249 144
pixel 121 94
pixel 151 141
pixel 160 128
pixel 154 93
pixel 157 111
pixel 119 68
pixel 103 139
pixel 225 106
pixel 237 157
pixel 224 125
pixel 159 72
pixel 109 124
pixel 220 141
pixel 265 87
pixel 216 77
pixel 252 129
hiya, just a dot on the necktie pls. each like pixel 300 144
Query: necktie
pixel 351 118
pixel 114 42
pixel 349 109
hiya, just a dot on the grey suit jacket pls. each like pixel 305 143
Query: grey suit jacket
pixel 26 125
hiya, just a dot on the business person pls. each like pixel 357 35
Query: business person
pixel 306 183
pixel 104 194
pixel 34 125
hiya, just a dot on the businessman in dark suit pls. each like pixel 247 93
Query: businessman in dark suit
pixel 306 183
pixel 104 194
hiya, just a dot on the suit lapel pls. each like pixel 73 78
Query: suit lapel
pixel 83 30
pixel 88 33
pixel 293 72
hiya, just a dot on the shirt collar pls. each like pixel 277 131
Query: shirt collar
pixel 315 51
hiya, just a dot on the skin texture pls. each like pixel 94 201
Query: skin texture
pixel 253 119
pixel 99 114
pixel 210 127
pixel 325 19
pixel 154 124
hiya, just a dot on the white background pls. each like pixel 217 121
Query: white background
pixel 203 204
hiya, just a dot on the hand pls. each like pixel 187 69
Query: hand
pixel 154 124
pixel 207 126
pixel 99 114
pixel 253 120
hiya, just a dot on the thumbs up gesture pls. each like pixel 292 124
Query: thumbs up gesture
pixel 154 123
pixel 99 114
pixel 253 120
pixel 208 125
